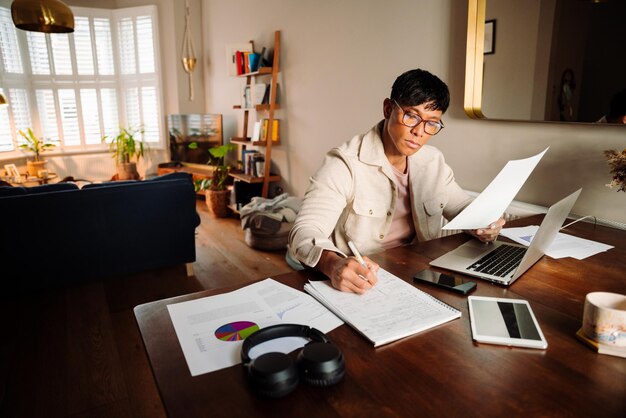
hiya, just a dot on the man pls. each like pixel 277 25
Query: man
pixel 382 189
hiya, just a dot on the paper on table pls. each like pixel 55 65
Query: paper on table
pixel 493 201
pixel 391 310
pixel 198 322
pixel 564 245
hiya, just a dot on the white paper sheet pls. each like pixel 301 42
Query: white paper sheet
pixel 391 310
pixel 493 201
pixel 211 330
pixel 564 245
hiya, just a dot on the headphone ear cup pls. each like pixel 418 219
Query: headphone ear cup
pixel 273 375
pixel 321 364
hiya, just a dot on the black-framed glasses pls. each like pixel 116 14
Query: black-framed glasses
pixel 411 120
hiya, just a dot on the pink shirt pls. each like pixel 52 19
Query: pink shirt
pixel 402 229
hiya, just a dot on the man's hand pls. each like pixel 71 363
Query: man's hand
pixel 347 274
pixel 489 234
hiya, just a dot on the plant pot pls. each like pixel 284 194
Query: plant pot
pixel 127 171
pixel 217 202
pixel 33 167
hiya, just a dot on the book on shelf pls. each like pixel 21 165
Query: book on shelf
pixel 246 97
pixel 275 130
pixel 611 350
pixel 234 59
pixel 249 158
pixel 258 93
pixel 393 309
pixel 256 132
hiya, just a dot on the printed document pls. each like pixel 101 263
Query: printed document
pixel 493 201
pixel 564 245
pixel 391 310
pixel 211 330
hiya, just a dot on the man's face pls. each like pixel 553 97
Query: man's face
pixel 400 139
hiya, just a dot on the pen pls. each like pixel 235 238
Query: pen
pixel 356 253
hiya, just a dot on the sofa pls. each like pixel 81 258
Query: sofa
pixel 56 234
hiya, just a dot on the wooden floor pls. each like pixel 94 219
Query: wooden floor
pixel 77 352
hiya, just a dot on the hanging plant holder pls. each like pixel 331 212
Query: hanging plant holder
pixel 188 53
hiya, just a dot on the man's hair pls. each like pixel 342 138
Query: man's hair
pixel 617 108
pixel 416 87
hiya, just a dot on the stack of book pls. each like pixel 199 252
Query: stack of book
pixel 253 163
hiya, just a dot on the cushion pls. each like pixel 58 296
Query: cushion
pixel 55 187
pixel 6 191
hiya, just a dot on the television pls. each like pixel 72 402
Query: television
pixel 203 129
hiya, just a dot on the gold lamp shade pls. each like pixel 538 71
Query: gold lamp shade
pixel 3 100
pixel 48 16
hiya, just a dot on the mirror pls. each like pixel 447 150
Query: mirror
pixel 550 60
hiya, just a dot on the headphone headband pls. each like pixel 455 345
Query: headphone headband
pixel 279 331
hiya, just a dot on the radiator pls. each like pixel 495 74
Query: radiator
pixel 91 167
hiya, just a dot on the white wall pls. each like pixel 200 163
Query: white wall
pixel 339 60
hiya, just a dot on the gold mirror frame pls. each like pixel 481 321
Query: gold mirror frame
pixel 474 70
pixel 474 59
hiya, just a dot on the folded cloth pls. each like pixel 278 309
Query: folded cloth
pixel 267 214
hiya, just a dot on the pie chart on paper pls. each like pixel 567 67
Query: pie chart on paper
pixel 236 331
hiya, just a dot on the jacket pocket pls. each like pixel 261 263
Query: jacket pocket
pixel 366 219
pixel 434 211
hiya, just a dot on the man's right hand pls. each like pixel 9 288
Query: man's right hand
pixel 347 274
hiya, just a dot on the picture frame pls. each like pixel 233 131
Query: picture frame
pixel 12 171
pixel 490 37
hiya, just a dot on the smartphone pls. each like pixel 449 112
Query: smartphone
pixel 446 281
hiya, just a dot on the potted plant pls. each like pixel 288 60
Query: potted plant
pixel 37 146
pixel 126 146
pixel 216 194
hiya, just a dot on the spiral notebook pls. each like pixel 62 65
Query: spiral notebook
pixel 391 310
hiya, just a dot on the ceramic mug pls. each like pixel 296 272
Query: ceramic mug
pixel 604 318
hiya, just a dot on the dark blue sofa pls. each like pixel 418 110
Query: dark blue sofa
pixel 57 234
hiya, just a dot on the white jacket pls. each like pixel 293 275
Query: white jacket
pixel 353 197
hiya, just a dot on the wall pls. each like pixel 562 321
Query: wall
pixel 339 60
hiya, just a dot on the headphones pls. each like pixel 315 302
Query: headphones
pixel 319 363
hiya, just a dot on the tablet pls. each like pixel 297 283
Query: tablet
pixel 504 321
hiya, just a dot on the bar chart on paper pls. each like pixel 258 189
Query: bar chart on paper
pixel 236 331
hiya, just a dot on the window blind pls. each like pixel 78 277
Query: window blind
pixel 84 85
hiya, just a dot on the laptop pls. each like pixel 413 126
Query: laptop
pixel 504 263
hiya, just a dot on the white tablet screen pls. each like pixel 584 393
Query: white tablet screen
pixel 504 321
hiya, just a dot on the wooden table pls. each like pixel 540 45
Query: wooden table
pixel 440 372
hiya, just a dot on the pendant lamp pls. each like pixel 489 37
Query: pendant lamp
pixel 3 100
pixel 48 16
pixel 188 54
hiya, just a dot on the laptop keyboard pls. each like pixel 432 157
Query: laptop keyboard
pixel 499 262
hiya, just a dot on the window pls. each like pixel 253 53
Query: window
pixel 76 88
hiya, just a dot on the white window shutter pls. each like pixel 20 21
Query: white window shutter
pixel 127 46
pixel 38 51
pixel 149 107
pixel 145 44
pixel 69 116
pixel 61 54
pixel 11 57
pixel 104 46
pixel 47 114
pixel 110 121
pixel 133 117
pixel 91 118
pixel 20 109
pixel 6 139
pixel 83 46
